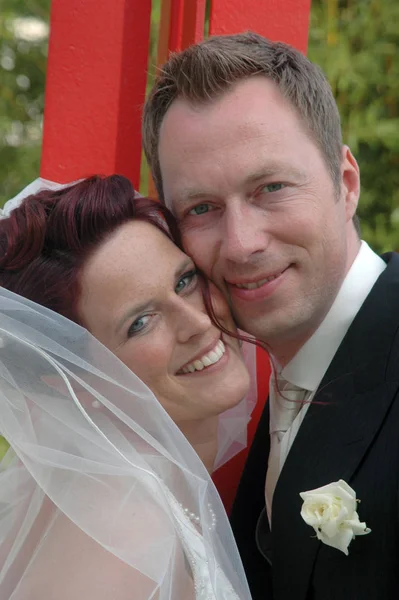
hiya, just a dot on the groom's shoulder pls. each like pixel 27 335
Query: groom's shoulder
pixel 387 285
pixel 392 261
pixel 375 330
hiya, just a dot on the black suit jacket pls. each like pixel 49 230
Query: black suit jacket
pixel 352 433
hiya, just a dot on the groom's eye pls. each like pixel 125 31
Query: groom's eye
pixel 272 187
pixel 200 209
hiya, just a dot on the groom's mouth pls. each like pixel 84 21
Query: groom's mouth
pixel 205 360
pixel 256 288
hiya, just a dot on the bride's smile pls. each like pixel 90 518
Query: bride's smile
pixel 206 360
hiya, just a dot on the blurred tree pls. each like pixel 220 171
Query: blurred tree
pixel 23 56
pixel 356 44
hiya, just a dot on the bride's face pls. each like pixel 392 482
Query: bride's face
pixel 142 299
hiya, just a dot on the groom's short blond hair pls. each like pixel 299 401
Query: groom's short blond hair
pixel 207 70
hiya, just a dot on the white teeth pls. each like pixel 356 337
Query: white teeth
pixel 218 352
pixel 253 286
pixel 207 360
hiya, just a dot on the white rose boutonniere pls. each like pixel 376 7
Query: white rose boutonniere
pixel 331 511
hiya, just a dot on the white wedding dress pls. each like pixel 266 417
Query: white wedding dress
pixel 194 548
pixel 65 546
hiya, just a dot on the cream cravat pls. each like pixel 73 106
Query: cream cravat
pixel 286 400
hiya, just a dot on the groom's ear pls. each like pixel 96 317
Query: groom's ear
pixel 350 176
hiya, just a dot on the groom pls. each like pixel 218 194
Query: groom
pixel 244 141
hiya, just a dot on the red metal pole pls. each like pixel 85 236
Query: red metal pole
pixel 187 18
pixel 95 90
pixel 182 24
pixel 280 20
pixel 194 22
pixel 176 25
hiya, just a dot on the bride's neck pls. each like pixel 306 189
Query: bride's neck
pixel 202 435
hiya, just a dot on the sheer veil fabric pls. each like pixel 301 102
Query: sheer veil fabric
pixel 101 496
pixel 232 433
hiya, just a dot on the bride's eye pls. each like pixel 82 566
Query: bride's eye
pixel 138 325
pixel 186 281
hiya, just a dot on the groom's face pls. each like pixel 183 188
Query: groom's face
pixel 257 208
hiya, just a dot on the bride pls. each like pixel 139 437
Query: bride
pixel 103 494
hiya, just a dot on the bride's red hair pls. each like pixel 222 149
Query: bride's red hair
pixel 46 240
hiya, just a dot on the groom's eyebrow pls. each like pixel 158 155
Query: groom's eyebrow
pixel 187 195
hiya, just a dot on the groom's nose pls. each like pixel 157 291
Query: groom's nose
pixel 242 235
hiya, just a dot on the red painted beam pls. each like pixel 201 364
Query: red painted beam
pixel 163 33
pixel 194 22
pixel 187 19
pixel 182 24
pixel 95 89
pixel 280 20
pixel 176 25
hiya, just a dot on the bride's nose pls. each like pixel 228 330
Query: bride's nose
pixel 191 320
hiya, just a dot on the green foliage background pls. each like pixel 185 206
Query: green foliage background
pixel 356 44
pixel 354 41
pixel 21 100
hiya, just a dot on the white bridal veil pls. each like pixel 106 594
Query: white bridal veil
pixel 101 496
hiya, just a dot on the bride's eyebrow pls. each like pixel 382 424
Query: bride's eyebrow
pixel 185 264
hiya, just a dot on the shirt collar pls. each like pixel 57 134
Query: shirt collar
pixel 311 362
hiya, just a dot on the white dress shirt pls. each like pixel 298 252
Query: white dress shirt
pixel 308 367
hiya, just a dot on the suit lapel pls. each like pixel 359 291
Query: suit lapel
pixel 339 427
